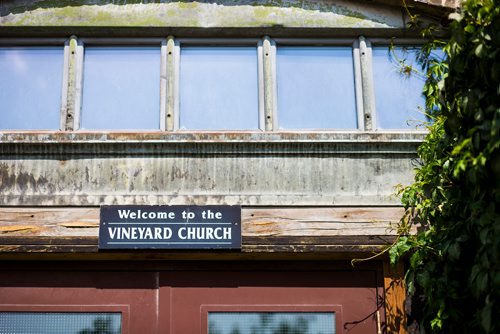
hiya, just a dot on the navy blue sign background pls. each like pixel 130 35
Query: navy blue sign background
pixel 170 227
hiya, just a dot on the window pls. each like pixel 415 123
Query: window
pixel 170 84
pixel 315 88
pixel 271 322
pixel 121 88
pixel 30 87
pixel 398 82
pixel 219 88
pixel 60 323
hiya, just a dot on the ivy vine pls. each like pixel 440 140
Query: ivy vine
pixel 454 258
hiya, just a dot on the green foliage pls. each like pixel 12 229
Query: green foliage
pixel 454 259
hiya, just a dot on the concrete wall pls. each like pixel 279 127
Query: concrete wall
pixel 244 169
pixel 72 169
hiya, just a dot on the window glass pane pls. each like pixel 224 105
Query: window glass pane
pixel 271 323
pixel 59 323
pixel 219 88
pixel 121 88
pixel 30 87
pixel 398 82
pixel 316 88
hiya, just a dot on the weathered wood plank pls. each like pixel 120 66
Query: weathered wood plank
pixel 321 221
pixel 313 248
pixel 305 221
pixel 34 240
pixel 245 249
pixel 48 249
pixel 330 240
pixel 246 241
pixel 286 230
pixel 49 221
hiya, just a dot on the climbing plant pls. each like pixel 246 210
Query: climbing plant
pixel 454 258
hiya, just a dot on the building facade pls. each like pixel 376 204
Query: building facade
pixel 300 116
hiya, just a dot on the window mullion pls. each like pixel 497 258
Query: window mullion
pixel 368 98
pixel 72 84
pixel 65 87
pixel 167 84
pixel 78 83
pixel 358 83
pixel 164 86
pixel 261 84
pixel 174 70
pixel 269 72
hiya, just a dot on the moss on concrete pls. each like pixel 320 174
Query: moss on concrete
pixel 227 13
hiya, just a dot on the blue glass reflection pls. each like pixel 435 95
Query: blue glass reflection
pixel 219 88
pixel 30 87
pixel 60 323
pixel 271 322
pixel 316 88
pixel 398 82
pixel 121 88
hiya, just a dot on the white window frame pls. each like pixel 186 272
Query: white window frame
pixel 248 42
pixel 358 93
pixel 385 42
pixel 80 64
pixel 38 42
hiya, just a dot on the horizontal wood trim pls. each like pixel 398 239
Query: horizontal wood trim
pixel 302 221
pixel 247 241
pixel 245 249
pixel 48 248
pixel 314 248
pixel 288 230
pixel 58 222
pixel 315 221
pixel 48 241
pixel 336 240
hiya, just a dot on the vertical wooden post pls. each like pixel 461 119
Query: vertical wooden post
pixel 395 296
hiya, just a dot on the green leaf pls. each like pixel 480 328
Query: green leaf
pixel 470 29
pixel 486 318
pixel 455 16
pixel 454 258
pixel 454 251
pixel 480 50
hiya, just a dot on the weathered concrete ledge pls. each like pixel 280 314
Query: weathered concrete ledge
pixel 203 14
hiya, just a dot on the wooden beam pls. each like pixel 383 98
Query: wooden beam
pixel 395 297
pixel 264 230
